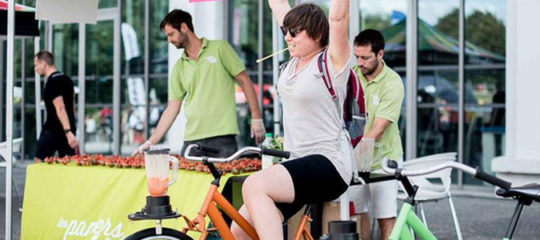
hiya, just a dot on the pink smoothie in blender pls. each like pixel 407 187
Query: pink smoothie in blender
pixel 157 186
pixel 157 171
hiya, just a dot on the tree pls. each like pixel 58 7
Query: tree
pixel 485 30
pixel 481 28
pixel 375 21
pixel 449 24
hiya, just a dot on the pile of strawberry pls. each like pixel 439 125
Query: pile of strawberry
pixel 99 159
pixel 235 167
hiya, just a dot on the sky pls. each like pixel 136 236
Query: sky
pixel 431 10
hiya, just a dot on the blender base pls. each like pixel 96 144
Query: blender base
pixel 156 208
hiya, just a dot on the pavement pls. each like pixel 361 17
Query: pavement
pixel 480 213
pixel 18 178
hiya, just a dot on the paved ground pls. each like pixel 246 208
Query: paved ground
pixel 480 215
pixel 19 173
pixel 481 218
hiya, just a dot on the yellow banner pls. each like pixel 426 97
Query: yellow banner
pixel 72 202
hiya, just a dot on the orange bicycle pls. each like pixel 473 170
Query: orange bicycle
pixel 157 208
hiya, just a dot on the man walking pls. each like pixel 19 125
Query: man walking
pixel 58 134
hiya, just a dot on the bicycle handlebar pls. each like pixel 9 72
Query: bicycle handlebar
pixel 492 179
pixel 206 148
pixel 275 153
pixel 477 173
pixel 237 154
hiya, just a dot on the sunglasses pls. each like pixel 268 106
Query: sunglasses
pixel 292 31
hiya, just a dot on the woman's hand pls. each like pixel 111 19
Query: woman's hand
pixel 279 8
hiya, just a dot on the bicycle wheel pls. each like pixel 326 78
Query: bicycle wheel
pixel 150 234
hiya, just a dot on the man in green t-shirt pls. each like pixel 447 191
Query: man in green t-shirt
pixel 204 79
pixel 383 92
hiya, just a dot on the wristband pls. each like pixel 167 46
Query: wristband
pixel 66 131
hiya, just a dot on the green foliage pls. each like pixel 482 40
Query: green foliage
pixel 276 143
pixel 481 29
pixel 449 24
pixel 484 30
pixel 375 21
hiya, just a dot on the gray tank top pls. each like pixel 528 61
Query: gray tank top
pixel 311 121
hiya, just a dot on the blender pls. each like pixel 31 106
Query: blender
pixel 157 171
pixel 157 180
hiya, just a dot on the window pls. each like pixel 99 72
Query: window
pixel 484 83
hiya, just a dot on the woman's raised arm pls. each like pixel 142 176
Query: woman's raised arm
pixel 279 8
pixel 338 44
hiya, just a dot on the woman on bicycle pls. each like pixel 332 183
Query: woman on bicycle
pixel 320 148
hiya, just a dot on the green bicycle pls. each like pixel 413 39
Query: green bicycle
pixel 409 224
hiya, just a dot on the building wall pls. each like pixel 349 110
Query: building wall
pixel 521 164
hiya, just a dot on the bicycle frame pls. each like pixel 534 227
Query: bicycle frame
pixel 302 230
pixel 215 199
pixel 407 218
pixel 515 217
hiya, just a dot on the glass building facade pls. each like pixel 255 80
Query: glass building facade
pixel 453 51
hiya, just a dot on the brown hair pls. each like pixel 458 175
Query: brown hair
pixel 370 37
pixel 175 18
pixel 309 17
pixel 45 56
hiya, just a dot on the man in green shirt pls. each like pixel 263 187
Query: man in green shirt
pixel 383 92
pixel 204 77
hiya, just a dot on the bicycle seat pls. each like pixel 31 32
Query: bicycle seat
pixel 529 191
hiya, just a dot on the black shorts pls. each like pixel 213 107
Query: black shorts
pixel 315 180
pixel 226 145
pixel 50 142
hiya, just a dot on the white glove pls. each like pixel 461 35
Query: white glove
pixel 257 130
pixel 145 146
pixel 363 154
pixel 366 145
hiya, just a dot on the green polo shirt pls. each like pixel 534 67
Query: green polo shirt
pixel 208 87
pixel 384 96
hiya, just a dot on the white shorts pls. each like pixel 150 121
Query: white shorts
pixel 381 195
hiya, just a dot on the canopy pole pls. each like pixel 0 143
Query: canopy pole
pixel 260 55
pixel 275 74
pixel 82 86
pixel 37 91
pixel 9 113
